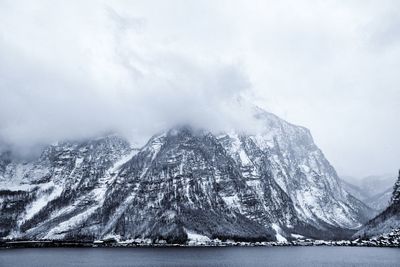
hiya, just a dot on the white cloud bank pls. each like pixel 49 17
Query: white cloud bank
pixel 79 68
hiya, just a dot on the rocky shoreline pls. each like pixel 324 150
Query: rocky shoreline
pixel 389 240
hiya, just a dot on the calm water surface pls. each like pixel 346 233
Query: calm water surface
pixel 221 256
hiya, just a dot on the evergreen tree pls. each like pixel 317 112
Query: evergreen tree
pixel 396 191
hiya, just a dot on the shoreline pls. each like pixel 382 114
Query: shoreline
pixel 108 244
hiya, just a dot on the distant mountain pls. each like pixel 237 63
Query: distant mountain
pixel 355 190
pixel 373 184
pixel 380 201
pixel 375 190
pixel 388 220
pixel 272 185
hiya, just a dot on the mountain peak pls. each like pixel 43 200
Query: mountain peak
pixel 272 184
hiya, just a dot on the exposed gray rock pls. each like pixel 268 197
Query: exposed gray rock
pixel 386 221
pixel 233 185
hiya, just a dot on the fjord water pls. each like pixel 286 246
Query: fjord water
pixel 217 256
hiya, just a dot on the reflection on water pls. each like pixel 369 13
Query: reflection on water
pixel 221 256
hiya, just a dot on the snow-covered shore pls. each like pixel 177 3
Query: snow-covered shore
pixel 391 239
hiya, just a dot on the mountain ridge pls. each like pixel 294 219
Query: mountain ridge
pixel 273 185
pixel 388 220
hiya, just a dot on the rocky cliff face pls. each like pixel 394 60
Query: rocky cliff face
pixel 388 220
pixel 272 185
pixel 396 192
pixel 37 197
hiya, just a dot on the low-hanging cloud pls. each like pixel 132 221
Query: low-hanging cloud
pixel 75 69
pixel 84 76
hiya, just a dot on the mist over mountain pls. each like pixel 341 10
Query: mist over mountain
pixel 373 184
pixel 386 221
pixel 274 184
pixel 170 121
pixel 79 70
pixel 373 190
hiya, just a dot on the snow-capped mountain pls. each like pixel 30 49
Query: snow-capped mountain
pixel 275 184
pixel 376 184
pixel 386 221
pixel 378 202
pixel 374 190
pixel 355 190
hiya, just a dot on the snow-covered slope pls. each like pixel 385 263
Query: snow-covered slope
pixel 378 202
pixel 375 184
pixel 371 185
pixel 354 190
pixel 183 182
pixel 386 221
pixel 60 188
pixel 288 154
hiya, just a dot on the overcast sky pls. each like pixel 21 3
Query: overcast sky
pixel 71 69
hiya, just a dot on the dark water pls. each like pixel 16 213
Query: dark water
pixel 222 256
